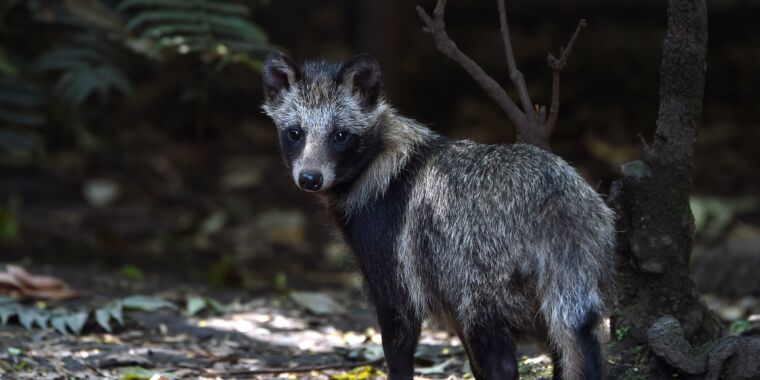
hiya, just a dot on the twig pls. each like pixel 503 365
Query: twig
pixel 437 27
pixel 557 65
pixel 517 77
pixel 534 125
pixel 300 369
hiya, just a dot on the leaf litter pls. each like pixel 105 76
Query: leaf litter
pixel 192 333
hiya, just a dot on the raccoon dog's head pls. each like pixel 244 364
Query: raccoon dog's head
pixel 327 117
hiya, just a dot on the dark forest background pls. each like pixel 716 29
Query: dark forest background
pixel 162 160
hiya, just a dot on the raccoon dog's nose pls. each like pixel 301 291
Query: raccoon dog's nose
pixel 309 180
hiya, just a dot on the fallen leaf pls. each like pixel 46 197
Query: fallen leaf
pixel 102 317
pixel 359 373
pixel 17 281
pixel 134 373
pixel 59 324
pixel 194 305
pixel 76 321
pixel 34 281
pixel 26 317
pixel 146 303
pixel 116 310
pixel 317 303
pixel 438 368
pixel 9 281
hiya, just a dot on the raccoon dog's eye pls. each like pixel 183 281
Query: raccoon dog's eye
pixel 341 137
pixel 294 135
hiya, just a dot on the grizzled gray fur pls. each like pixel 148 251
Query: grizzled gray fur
pixel 506 242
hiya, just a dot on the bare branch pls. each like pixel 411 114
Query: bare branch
pixel 517 77
pixel 551 120
pixel 437 28
pixel 557 65
pixel 534 124
pixel 542 116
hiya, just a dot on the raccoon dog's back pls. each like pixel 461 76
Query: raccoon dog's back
pixel 505 229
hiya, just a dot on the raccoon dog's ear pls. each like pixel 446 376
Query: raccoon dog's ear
pixel 361 74
pixel 280 72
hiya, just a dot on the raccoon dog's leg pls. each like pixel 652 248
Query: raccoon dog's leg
pixel 577 351
pixel 556 365
pixel 400 330
pixel 593 361
pixel 491 351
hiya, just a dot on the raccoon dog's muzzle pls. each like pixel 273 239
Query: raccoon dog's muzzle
pixel 313 170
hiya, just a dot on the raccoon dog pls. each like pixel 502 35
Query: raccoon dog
pixel 506 242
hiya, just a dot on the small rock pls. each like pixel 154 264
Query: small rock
pixel 731 312
pixel 101 192
pixel 318 303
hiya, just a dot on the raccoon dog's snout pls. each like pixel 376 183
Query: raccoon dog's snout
pixel 310 180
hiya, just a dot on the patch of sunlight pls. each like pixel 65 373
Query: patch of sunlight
pixel 538 359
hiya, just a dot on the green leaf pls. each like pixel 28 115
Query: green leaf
pixel 76 321
pixel 438 368
pixel 5 300
pixel 102 316
pixel 212 6
pixel 87 66
pixel 41 318
pixel 134 373
pixel 12 141
pixel 7 310
pixel 739 327
pixel 195 26
pixel 168 30
pixel 26 317
pixel 164 16
pixel 17 96
pixel 317 303
pixel 95 12
pixel 217 306
pixel 116 311
pixel 21 117
pixel 6 67
pixel 131 272
pixel 281 281
pixel 13 351
pixel 252 31
pixel 8 225
pixel 146 303
pixel 59 324
pixel 194 305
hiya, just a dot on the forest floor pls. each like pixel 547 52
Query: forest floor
pixel 169 328
pixel 170 333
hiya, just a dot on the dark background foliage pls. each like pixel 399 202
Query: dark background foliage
pixel 122 147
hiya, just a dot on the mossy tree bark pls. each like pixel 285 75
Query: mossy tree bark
pixel 652 199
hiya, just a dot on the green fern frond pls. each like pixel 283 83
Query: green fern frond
pixel 213 6
pixel 84 71
pixel 219 27
pixel 20 103
pixel 21 115
pixel 6 67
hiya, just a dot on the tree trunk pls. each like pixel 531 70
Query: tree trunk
pixel 652 199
